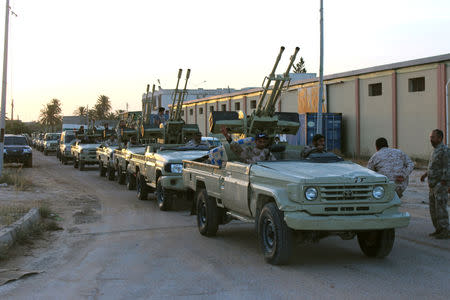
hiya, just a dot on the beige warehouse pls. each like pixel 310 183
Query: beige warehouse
pixel 402 102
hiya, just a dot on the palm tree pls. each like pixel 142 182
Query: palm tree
pixel 80 111
pixel 102 107
pixel 51 114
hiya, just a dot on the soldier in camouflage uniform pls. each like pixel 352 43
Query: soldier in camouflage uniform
pixel 438 179
pixel 392 163
pixel 318 146
pixel 251 153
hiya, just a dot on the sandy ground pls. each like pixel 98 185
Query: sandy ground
pixel 114 246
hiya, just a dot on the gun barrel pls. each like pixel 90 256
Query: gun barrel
pixel 182 96
pixel 266 87
pixel 180 71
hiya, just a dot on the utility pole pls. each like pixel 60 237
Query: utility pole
pixel 5 74
pixel 320 101
pixel 12 109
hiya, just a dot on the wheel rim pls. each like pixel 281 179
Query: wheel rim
pixel 268 234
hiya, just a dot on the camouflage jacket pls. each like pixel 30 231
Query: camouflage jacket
pixel 392 163
pixel 438 168
pixel 249 154
pixel 192 143
pixel 308 150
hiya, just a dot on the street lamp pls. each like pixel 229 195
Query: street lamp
pixel 3 106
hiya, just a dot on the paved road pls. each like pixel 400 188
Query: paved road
pixel 117 247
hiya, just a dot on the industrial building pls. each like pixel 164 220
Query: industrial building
pixel 402 102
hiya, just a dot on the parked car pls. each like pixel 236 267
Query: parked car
pixel 17 150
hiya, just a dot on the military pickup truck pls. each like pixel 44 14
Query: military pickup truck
pixel 297 199
pixel 50 143
pixel 159 170
pixel 105 157
pixel 84 153
pixel 122 157
pixel 65 144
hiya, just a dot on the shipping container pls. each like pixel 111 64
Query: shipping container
pixel 332 130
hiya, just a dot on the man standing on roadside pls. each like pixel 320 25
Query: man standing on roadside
pixel 392 163
pixel 438 179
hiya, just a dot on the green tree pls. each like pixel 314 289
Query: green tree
pixel 102 107
pixel 300 66
pixel 81 111
pixel 51 114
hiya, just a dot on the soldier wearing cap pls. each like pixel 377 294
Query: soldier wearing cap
pixel 318 146
pixel 251 153
pixel 196 141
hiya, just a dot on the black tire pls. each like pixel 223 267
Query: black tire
pixel 45 152
pixel 57 155
pixel 29 163
pixel 131 181
pixel 75 163
pixel 81 165
pixel 63 160
pixel 110 173
pixel 207 214
pixel 141 187
pixel 101 169
pixel 163 196
pixel 275 237
pixel 377 243
pixel 121 177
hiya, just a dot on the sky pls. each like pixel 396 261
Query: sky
pixel 76 50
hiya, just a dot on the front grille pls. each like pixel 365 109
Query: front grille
pixel 346 192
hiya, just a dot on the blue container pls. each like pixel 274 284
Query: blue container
pixel 332 130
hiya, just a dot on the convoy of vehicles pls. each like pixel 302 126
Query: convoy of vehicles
pixel 290 199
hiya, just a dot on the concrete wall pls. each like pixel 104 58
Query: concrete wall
pixel 417 113
pixel 341 98
pixel 376 113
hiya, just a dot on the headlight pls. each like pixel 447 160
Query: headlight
pixel 4 151
pixel 176 168
pixel 26 150
pixel 378 192
pixel 311 194
pixel 47 144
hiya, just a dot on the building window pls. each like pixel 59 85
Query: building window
pixel 224 107
pixel 237 106
pixel 191 112
pixel 253 104
pixel 416 84
pixel 375 89
pixel 182 112
pixel 200 110
pixel 211 108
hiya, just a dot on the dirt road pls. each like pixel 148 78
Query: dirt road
pixel 117 247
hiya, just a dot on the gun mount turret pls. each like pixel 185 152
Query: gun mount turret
pixel 264 118
pixel 174 131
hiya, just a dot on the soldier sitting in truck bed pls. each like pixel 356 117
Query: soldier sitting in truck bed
pixel 250 153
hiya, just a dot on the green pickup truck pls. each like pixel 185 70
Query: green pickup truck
pixel 292 199
pixel 159 169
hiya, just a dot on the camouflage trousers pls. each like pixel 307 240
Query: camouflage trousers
pixel 438 206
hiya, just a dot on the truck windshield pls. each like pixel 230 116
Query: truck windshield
pixel 69 138
pixel 51 137
pixel 326 157
pixel 15 140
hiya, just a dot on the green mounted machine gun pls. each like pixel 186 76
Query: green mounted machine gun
pixel 264 119
pixel 175 130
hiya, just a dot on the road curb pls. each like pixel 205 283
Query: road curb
pixel 8 234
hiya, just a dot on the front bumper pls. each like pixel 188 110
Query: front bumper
pixel 16 158
pixel 90 159
pixel 173 182
pixel 391 218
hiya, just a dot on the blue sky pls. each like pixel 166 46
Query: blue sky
pixel 77 50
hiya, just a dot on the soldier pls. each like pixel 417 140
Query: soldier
pixel 196 141
pixel 112 141
pixel 250 153
pixel 318 146
pixel 160 117
pixel 392 163
pixel 438 179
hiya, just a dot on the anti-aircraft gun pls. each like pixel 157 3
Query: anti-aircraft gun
pixel 264 119
pixel 175 130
